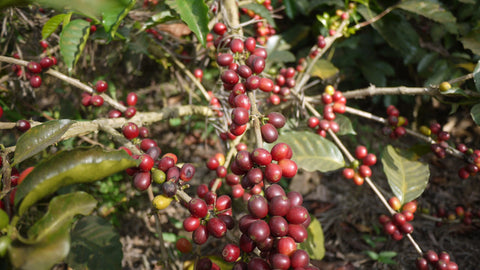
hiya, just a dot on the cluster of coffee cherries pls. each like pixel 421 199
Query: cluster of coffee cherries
pixel 263 30
pixel 334 102
pixel 459 213
pixel 399 224
pixel 34 69
pixel 396 123
pixel 275 223
pixel 284 82
pixel 357 172
pixel 432 260
pixel 472 159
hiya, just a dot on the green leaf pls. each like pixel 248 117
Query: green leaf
pixel 314 245
pixel 195 14
pixel 324 69
pixel 51 25
pixel 312 152
pixel 290 8
pixel 95 245
pixel 81 165
pixel 407 179
pixel 388 254
pixel 475 113
pixel 4 220
pixel 113 16
pixel 281 57
pixel 42 255
pixel 429 9
pixel 40 137
pixel 471 41
pixel 262 11
pixel 72 41
pixel 372 254
pixel 345 125
pixel 476 76
pixel 61 210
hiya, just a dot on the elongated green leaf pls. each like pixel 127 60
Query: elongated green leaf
pixel 471 41
pixel 43 255
pixel 112 17
pixel 40 137
pixel 72 41
pixel 262 11
pixel 51 25
pixel 475 113
pixel 61 210
pixel 476 76
pixel 4 220
pixel 312 152
pixel 281 57
pixel 429 9
pixel 314 245
pixel 324 69
pixel 407 178
pixel 95 245
pixel 81 165
pixel 195 14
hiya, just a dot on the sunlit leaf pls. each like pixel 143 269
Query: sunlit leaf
pixel 429 9
pixel 475 113
pixel 312 152
pixel 95 244
pixel 72 41
pixel 40 137
pixel 51 25
pixel 61 210
pixel 81 165
pixel 314 245
pixel 195 14
pixel 281 57
pixel 345 125
pixel 43 255
pixel 113 16
pixel 407 178
pixel 324 69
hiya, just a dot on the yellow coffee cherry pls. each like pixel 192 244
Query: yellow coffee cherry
pixel 329 90
pixel 444 86
pixel 425 130
pixel 161 202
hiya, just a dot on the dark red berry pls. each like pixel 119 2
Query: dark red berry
pixel 22 125
pixel 101 86
pixel 130 130
pixel 35 81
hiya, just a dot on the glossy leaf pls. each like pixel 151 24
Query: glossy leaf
pixel 262 11
pixel 61 210
pixel 51 25
pixel 345 125
pixel 81 165
pixel 475 113
pixel 476 76
pixel 429 9
pixel 40 137
pixel 407 178
pixel 42 255
pixel 195 14
pixel 314 245
pixel 281 57
pixel 95 244
pixel 324 69
pixel 72 41
pixel 113 16
pixel 312 152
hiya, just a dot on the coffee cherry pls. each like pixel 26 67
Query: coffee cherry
pixel 435 128
pixel 266 85
pixel 444 256
pixel 224 59
pixel 278 226
pixel 230 253
pixel 200 235
pixel 258 231
pixel 286 245
pixel 130 112
pixel 240 116
pixel 394 202
pixel 198 208
pixel 258 206
pixel 242 101
pixel 183 245
pixel 219 28
pixel 146 163
pixel 280 261
pixel 281 151
pixel 421 264
pixel 297 232
pixel 169 188
pixel 295 198
pixel 299 259
pixel 361 152
pixel 236 45
pixel 130 130
pixel 261 157
pixel 289 168
pixel 22 125
pixel 250 44
pixel 141 180
pixel 244 160
pixel 229 77
pixel 96 100
pixel 46 62
pixel 34 67
pixel 313 122
pixel 389 228
pixel 198 73
pixel 273 191
pixel 273 173
pixel 364 171
pixel 431 256
pixel 444 86
pixel 348 173
pixel 101 86
pixel 276 119
pixel 161 202
pixel 43 44
pixel 397 235
pixel 35 81
pixel 406 228
pixel 297 214
pixel 132 99
pixel 278 206
pixel 216 227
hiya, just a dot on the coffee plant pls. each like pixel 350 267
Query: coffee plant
pixel 200 116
